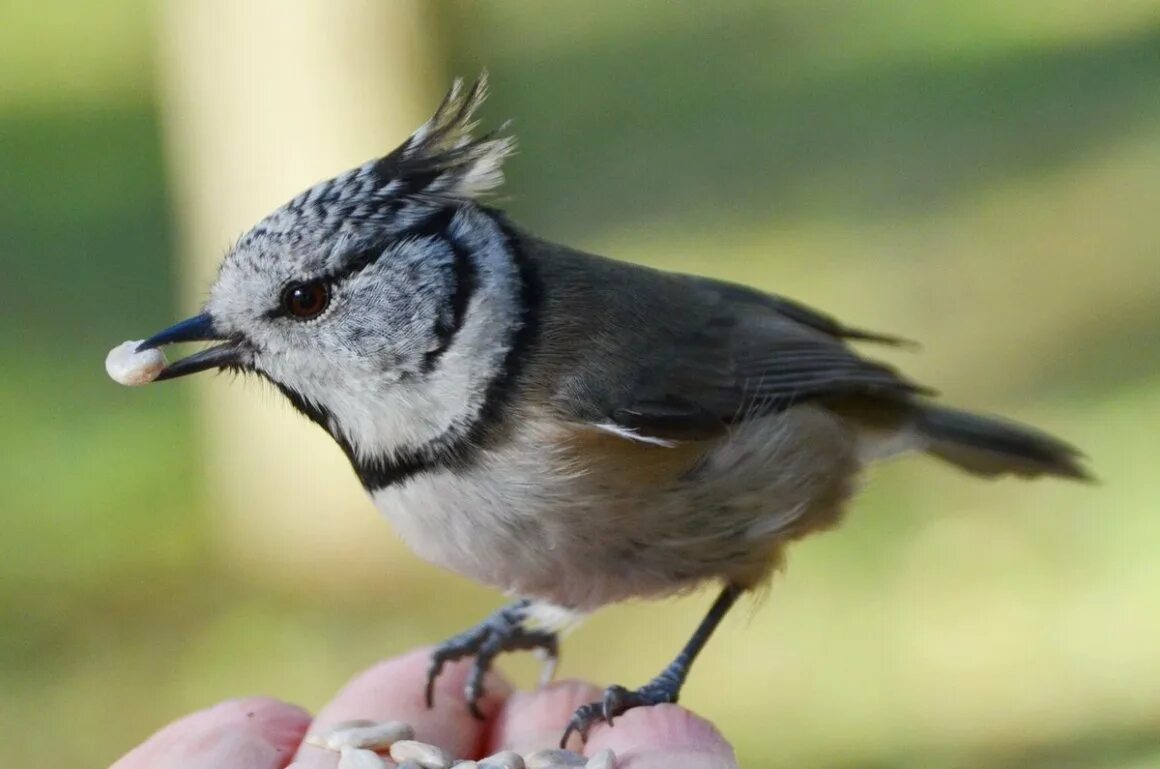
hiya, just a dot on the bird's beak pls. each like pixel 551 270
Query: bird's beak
pixel 199 328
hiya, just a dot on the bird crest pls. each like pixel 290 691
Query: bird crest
pixel 440 164
pixel 443 159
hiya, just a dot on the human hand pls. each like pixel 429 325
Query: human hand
pixel 261 733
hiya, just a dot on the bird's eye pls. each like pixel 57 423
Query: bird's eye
pixel 306 300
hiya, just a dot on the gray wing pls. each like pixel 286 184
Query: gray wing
pixel 684 358
pixel 743 367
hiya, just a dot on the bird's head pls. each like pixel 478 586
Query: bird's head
pixel 380 301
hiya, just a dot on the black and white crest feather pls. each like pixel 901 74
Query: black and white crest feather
pixel 441 163
pixel 442 160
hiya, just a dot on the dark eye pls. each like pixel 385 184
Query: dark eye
pixel 306 300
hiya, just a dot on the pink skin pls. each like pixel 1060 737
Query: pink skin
pixel 260 733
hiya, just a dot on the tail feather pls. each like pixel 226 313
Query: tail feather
pixel 990 446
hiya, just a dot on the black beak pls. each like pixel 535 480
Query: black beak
pixel 199 328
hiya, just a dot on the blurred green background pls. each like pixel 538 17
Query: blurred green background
pixel 982 177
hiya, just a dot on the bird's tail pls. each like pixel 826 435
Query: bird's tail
pixel 990 446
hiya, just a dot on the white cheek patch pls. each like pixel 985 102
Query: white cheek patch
pixel 125 365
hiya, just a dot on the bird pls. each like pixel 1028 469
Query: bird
pixel 570 429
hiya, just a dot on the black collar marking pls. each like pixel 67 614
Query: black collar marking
pixel 461 445
pixel 464 281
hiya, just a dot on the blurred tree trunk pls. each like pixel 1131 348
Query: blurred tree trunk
pixel 262 98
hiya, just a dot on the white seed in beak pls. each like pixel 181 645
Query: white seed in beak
pixel 129 367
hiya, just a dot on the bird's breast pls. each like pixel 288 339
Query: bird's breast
pixel 491 522
pixel 581 518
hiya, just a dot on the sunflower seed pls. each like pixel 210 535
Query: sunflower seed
pixel 551 759
pixel 125 365
pixel 321 737
pixel 426 756
pixel 357 758
pixel 375 736
pixel 605 759
pixel 507 759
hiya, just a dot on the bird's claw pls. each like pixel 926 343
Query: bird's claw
pixel 503 631
pixel 617 700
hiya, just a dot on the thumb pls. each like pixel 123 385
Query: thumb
pixel 253 733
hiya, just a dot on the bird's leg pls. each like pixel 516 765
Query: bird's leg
pixel 666 687
pixel 503 631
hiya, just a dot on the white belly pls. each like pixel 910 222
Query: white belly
pixel 470 526
pixel 534 521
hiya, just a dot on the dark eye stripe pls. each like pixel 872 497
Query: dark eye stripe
pixel 357 262
pixel 464 280
pixel 353 264
pixel 434 226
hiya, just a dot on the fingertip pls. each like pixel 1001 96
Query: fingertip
pixel 396 690
pixel 261 711
pixel 531 721
pixel 256 732
pixel 662 736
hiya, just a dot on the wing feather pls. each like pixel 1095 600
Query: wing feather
pixel 748 360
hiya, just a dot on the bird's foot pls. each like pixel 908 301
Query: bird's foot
pixel 618 700
pixel 503 631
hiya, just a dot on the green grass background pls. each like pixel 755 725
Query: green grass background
pixel 980 176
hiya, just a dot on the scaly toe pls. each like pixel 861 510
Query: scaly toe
pixel 617 701
pixel 452 650
pixel 501 632
pixel 585 717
